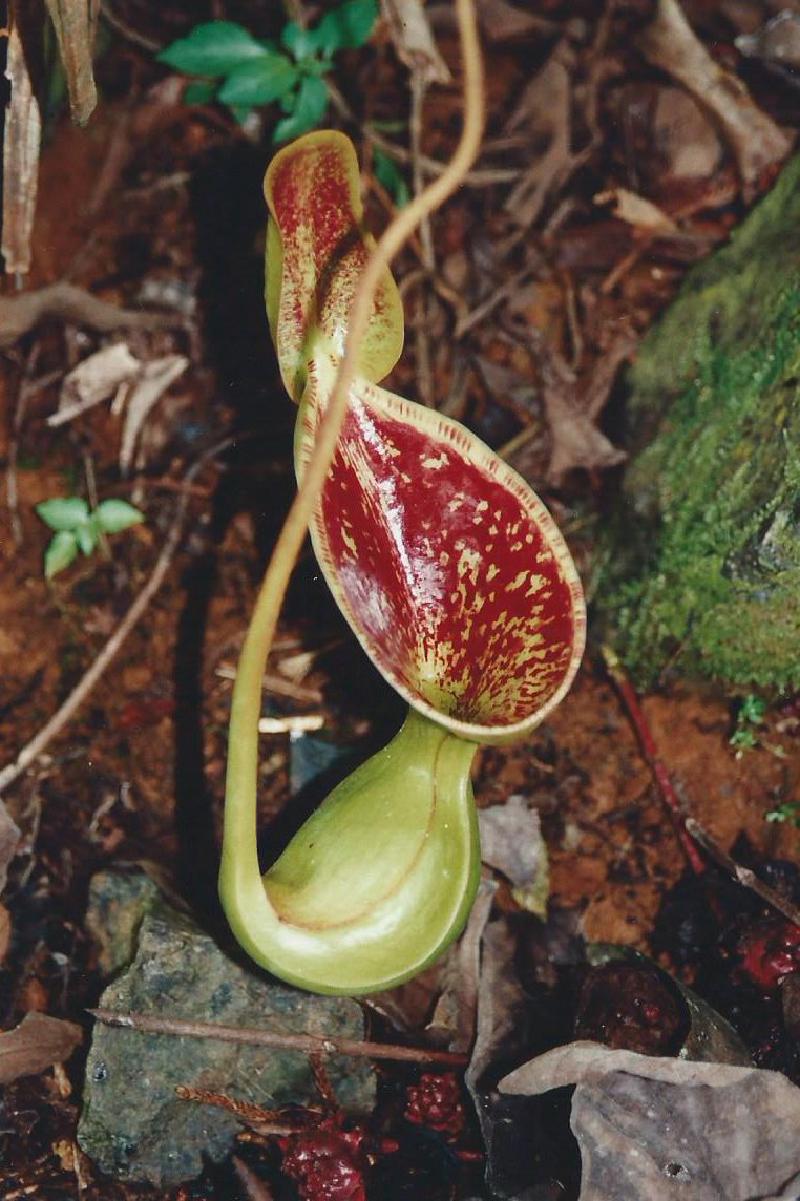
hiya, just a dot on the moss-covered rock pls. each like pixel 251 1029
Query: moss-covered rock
pixel 701 566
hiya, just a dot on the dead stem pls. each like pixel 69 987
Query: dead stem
pixel 87 682
pixel 648 746
pixel 742 875
pixel 309 1044
pixel 421 337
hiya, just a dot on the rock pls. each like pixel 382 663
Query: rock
pixel 133 1125
pixel 701 567
pixel 117 903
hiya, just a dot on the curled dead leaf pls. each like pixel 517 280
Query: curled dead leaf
pixel 642 214
pixel 36 1044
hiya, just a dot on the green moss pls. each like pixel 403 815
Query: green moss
pixel 701 567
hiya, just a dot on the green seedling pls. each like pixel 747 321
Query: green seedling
pixel 748 719
pixel 389 174
pixel 244 73
pixel 788 812
pixel 76 527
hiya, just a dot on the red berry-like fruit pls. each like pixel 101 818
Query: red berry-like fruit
pixel 324 1167
pixel 435 1102
pixel 769 951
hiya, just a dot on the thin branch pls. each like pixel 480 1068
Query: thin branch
pixel 421 338
pixel 650 751
pixel 31 751
pixel 19 314
pixel 742 875
pixel 309 1044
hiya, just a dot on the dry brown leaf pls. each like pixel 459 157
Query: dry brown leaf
pixel 544 112
pixel 5 932
pixel 502 21
pixel 776 42
pixel 456 1013
pixel 74 21
pixel 22 136
pixel 36 1044
pixel 642 214
pixel 576 440
pixel 154 380
pixel 512 843
pixel 652 1128
pixel 671 45
pixel 94 380
pixel 684 135
pixel 9 841
pixel 413 40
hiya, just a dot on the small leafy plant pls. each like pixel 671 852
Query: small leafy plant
pixel 788 812
pixel 78 528
pixel 244 73
pixel 748 719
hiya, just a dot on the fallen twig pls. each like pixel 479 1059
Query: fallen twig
pixel 32 749
pixel 669 43
pixel 19 314
pixel 310 1044
pixel 742 875
pixel 648 746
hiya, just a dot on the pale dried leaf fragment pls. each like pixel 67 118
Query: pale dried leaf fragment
pixel 154 380
pixel 684 135
pixel 37 1043
pixel 9 841
pixel 776 42
pixel 512 843
pixel 577 441
pixel 414 41
pixel 5 932
pixel 94 380
pixel 74 22
pixel 670 44
pixel 502 21
pixel 652 1128
pixel 637 211
pixel 456 1013
pixel 21 141
pixel 543 112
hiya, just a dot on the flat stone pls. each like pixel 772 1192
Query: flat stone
pixel 117 903
pixel 133 1125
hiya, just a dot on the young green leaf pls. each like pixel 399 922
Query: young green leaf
pixel 63 513
pixel 347 27
pixel 87 535
pixel 199 91
pixel 389 174
pixel 116 515
pixel 214 49
pixel 309 109
pixel 301 43
pixel 60 553
pixel 259 82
